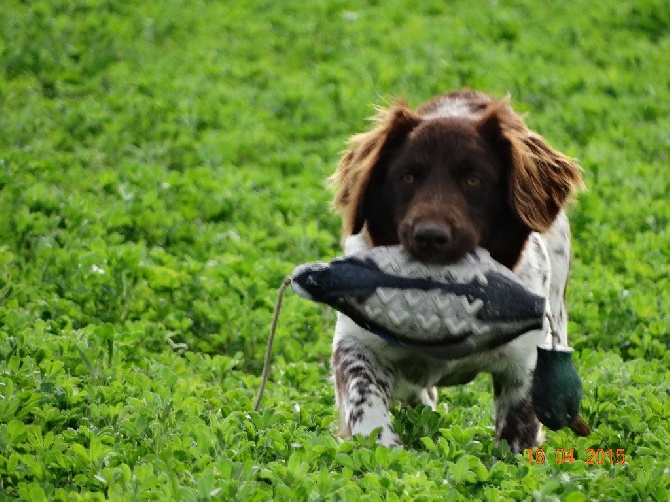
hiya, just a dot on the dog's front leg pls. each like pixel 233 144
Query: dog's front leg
pixel 363 387
pixel 515 418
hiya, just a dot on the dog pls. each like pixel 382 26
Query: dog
pixel 462 170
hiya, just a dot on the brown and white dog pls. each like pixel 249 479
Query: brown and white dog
pixel 463 170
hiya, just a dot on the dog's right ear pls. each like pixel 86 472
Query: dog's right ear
pixel 541 180
pixel 362 164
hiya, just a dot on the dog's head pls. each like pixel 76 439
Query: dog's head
pixel 441 185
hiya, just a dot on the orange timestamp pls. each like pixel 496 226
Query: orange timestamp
pixel 594 456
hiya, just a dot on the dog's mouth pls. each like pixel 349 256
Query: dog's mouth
pixel 437 257
pixel 438 243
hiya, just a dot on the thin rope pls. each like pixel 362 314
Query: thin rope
pixel 555 340
pixel 271 337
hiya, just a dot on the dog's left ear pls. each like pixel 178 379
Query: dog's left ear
pixel 541 180
pixel 364 164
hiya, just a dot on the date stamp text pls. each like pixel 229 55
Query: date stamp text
pixel 593 456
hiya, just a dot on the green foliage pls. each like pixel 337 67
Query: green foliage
pixel 162 168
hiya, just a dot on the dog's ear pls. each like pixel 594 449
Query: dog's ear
pixel 541 180
pixel 361 171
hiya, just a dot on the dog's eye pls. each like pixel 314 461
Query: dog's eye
pixel 473 180
pixel 407 178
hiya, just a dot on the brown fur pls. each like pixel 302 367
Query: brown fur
pixel 353 173
pixel 526 181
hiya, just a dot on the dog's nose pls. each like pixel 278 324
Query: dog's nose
pixel 432 237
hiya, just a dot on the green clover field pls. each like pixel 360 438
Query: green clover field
pixel 163 166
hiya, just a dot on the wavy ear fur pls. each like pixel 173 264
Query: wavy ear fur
pixel 367 151
pixel 541 180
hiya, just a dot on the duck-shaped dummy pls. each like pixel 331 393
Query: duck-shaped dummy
pixel 448 312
